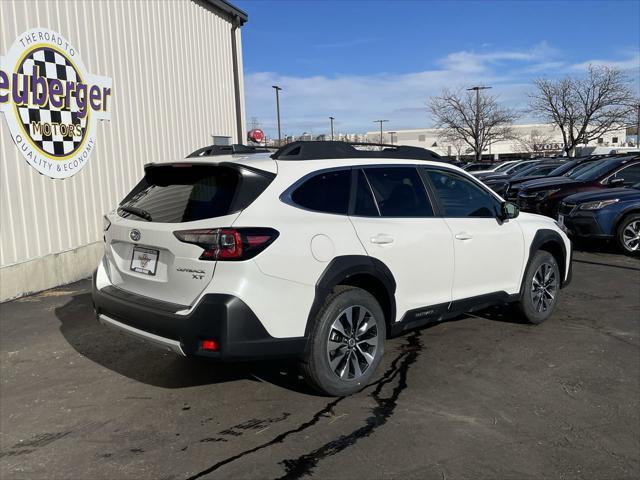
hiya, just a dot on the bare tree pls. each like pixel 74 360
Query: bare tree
pixel 476 122
pixel 533 142
pixel 584 108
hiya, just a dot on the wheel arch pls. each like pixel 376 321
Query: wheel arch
pixel 622 215
pixel 367 273
pixel 550 241
pixel 618 223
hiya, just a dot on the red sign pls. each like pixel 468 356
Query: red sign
pixel 256 135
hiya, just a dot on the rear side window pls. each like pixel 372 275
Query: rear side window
pixel 399 192
pixel 460 197
pixel 326 192
pixel 186 193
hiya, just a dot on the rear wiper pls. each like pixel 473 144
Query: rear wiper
pixel 138 212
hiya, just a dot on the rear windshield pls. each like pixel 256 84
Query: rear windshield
pixel 186 193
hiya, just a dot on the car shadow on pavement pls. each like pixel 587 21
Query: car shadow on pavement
pixel 499 313
pixel 144 363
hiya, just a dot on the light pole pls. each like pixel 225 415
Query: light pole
pixel 477 115
pixel 277 89
pixel 391 134
pixel 380 122
pixel 332 119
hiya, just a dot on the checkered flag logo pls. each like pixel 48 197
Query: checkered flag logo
pixel 49 64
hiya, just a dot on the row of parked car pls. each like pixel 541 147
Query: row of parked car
pixel 595 197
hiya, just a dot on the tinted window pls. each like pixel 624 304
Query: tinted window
pixel 365 205
pixel 630 174
pixel 461 197
pixel 326 192
pixel 174 194
pixel 399 192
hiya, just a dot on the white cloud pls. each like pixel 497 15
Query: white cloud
pixel 632 63
pixel 357 100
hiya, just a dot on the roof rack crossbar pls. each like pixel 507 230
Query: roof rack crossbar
pixel 319 150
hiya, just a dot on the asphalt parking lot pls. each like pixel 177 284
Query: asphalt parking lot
pixel 480 397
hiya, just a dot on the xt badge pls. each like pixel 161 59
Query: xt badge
pixel 195 274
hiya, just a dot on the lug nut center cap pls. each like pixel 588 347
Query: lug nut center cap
pixel 351 343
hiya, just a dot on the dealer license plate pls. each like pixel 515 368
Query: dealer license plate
pixel 144 260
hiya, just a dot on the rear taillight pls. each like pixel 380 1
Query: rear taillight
pixel 229 243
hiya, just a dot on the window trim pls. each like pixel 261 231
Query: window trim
pixel 429 189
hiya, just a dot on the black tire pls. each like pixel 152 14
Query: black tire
pixel 537 306
pixel 627 223
pixel 316 365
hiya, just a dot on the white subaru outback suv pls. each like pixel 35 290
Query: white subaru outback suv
pixel 320 251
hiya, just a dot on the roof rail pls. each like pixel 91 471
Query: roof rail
pixel 319 150
pixel 234 149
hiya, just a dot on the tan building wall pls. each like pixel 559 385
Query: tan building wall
pixel 547 137
pixel 173 87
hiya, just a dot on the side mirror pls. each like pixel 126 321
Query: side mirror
pixel 616 182
pixel 509 210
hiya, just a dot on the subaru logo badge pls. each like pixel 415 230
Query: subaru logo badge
pixel 134 235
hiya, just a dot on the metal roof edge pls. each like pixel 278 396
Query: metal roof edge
pixel 231 10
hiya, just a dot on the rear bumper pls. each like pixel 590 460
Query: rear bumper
pixel 220 317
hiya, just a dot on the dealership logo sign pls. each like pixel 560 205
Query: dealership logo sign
pixel 51 103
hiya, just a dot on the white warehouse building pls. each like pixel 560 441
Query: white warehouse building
pixel 90 92
pixel 530 139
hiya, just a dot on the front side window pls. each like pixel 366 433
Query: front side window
pixel 630 174
pixel 326 192
pixel 461 197
pixel 399 192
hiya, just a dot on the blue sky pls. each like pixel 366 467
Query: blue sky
pixel 364 60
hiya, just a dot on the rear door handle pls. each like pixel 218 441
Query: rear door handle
pixel 381 239
pixel 464 236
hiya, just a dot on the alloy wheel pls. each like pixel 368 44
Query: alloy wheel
pixel 352 342
pixel 631 236
pixel 544 288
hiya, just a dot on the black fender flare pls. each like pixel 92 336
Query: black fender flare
pixel 343 267
pixel 541 238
